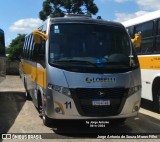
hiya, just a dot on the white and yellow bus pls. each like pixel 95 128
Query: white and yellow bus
pixel 2 56
pixel 148 53
pixel 79 68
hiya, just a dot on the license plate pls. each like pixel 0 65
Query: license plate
pixel 101 102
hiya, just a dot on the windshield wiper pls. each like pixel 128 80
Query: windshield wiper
pixel 114 63
pixel 97 65
pixel 120 65
pixel 76 61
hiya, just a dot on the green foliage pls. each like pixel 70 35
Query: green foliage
pixel 15 47
pixel 58 8
pixel 7 50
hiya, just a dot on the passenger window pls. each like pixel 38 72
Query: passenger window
pixel 41 49
pixel 41 53
pixel 158 27
pixel 30 47
pixel 138 29
pixel 146 30
pixel 25 48
pixel 23 53
pixel 157 49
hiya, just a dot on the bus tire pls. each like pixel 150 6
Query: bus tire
pixel 39 103
pixel 46 120
pixel 157 101
pixel 156 95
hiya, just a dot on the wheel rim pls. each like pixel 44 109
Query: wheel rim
pixel 26 94
pixel 43 115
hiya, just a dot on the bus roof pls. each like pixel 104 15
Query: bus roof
pixel 82 19
pixel 143 18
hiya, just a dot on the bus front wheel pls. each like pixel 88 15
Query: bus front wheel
pixel 46 120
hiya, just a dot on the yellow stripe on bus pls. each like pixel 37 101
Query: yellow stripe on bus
pixel 149 62
pixel 37 75
pixel 41 77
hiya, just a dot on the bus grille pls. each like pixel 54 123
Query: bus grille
pixel 83 100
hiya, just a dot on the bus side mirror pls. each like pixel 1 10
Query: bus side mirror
pixel 137 40
pixel 37 35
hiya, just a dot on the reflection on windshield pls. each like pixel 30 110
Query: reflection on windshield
pixel 87 44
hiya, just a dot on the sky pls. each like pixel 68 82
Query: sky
pixel 22 16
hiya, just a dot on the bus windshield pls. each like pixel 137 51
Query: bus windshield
pixel 90 45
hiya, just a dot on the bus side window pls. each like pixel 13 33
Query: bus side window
pixel 146 30
pixel 131 31
pixel 29 47
pixel 35 52
pixel 137 29
pixel 158 30
pixel 25 47
pixel 41 53
pixel 157 49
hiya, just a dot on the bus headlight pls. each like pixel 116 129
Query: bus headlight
pixel 134 90
pixel 60 89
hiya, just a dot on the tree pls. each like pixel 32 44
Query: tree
pixel 15 47
pixel 7 50
pixel 58 8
